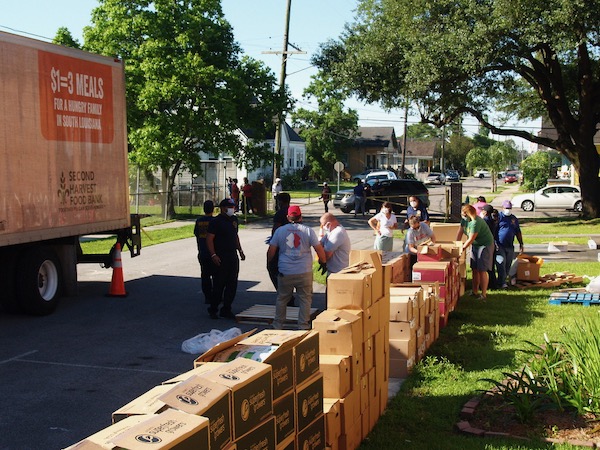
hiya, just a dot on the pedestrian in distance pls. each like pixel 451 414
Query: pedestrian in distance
pixel 206 265
pixel 481 241
pixel 418 233
pixel 367 201
pixel 294 242
pixel 336 244
pixel 359 194
pixel 508 229
pixel 247 197
pixel 325 195
pixel 276 189
pixel 384 223
pixel 279 219
pixel 235 193
pixel 223 243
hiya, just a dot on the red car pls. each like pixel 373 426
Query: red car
pixel 510 178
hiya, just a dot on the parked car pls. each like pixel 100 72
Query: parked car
pixel 452 176
pixel 482 173
pixel 555 196
pixel 435 178
pixel 394 191
pixel 381 175
pixel 511 177
pixel 362 175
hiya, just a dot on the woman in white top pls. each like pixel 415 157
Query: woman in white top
pixel 384 223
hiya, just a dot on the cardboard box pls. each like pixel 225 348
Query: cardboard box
pixel 401 368
pixel 200 369
pixel 429 252
pixel 103 438
pixel 402 308
pixel 353 437
pixel 313 436
pixel 431 271
pixel 384 312
pixel 262 436
pixel 284 411
pixel 208 356
pixel 368 354
pixel 373 259
pixel 374 410
pixel 350 411
pixel 288 444
pixel 445 232
pixel 403 348
pixel 147 403
pixel 169 429
pixel 309 401
pixel 528 267
pixel 333 422
pixel 403 330
pixel 349 290
pixel 337 375
pixel 203 397
pixel 340 333
pixel 251 388
pixel 381 354
pixel 451 249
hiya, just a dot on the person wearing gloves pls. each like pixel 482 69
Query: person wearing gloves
pixel 508 228
pixel 481 241
pixel 336 243
pixel 418 232
pixel 223 243
pixel 384 223
pixel 294 241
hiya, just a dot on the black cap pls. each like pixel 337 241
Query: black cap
pixel 227 203
pixel 488 208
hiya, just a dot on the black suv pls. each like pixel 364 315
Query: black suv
pixel 397 193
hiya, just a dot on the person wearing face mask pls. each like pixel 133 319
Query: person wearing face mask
pixel 416 208
pixel 223 243
pixel 418 232
pixel 481 241
pixel 335 242
pixel 384 223
pixel 508 228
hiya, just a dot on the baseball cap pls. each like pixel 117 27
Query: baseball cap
pixel 294 211
pixel 227 203
pixel 488 208
pixel 324 183
pixel 506 204
pixel 277 180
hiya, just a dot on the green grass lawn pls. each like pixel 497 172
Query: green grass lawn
pixel 482 340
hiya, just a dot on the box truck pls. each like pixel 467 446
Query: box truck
pixel 63 168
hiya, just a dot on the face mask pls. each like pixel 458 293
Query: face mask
pixel 413 204
pixel 483 214
pixel 385 210
pixel 326 228
pixel 507 212
pixel 464 217
pixel 230 211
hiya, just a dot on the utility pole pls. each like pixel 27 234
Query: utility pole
pixel 282 74
pixel 402 170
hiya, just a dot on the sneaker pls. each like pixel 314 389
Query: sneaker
pixel 227 315
pixel 505 286
pixel 481 297
pixel 213 315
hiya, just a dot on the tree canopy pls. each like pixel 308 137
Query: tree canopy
pixel 327 130
pixel 188 86
pixel 524 59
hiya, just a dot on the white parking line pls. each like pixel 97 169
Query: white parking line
pixel 18 357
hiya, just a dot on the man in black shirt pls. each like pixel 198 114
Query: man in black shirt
pixel 206 265
pixel 223 244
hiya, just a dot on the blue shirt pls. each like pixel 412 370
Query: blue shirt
pixel 508 228
pixel 359 191
pixel 423 217
pixel 294 242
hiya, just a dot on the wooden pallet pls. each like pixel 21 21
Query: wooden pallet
pixel 264 314
pixel 580 298
pixel 550 280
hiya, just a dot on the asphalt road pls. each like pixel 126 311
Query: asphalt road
pixel 64 374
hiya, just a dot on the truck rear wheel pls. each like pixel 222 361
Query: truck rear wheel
pixel 38 281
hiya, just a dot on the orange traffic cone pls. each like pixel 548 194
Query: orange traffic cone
pixel 117 285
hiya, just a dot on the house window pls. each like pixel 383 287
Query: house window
pixel 299 160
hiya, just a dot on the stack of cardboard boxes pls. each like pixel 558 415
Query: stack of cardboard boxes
pixel 354 333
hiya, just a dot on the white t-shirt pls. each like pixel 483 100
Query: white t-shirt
pixel 386 225
pixel 338 242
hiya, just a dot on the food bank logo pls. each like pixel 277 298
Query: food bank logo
pixel 148 439
pixel 63 192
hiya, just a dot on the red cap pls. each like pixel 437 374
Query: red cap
pixel 294 211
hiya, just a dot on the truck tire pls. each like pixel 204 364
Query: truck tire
pixel 38 281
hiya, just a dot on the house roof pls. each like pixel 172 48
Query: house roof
pixel 423 149
pixel 270 134
pixel 376 137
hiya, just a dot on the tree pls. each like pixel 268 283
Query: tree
pixel 495 158
pixel 524 59
pixel 456 151
pixel 423 132
pixel 536 169
pixel 188 88
pixel 329 129
pixel 65 38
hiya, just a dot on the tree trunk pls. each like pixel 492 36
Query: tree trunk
pixel 588 166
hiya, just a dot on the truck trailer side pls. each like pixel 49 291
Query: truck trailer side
pixel 63 168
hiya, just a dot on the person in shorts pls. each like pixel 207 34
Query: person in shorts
pixel 481 241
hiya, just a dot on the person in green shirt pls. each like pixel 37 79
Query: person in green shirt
pixel 481 241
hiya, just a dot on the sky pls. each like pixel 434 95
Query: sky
pixel 258 27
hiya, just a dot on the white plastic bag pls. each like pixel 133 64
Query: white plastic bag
pixel 205 341
pixel 594 285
